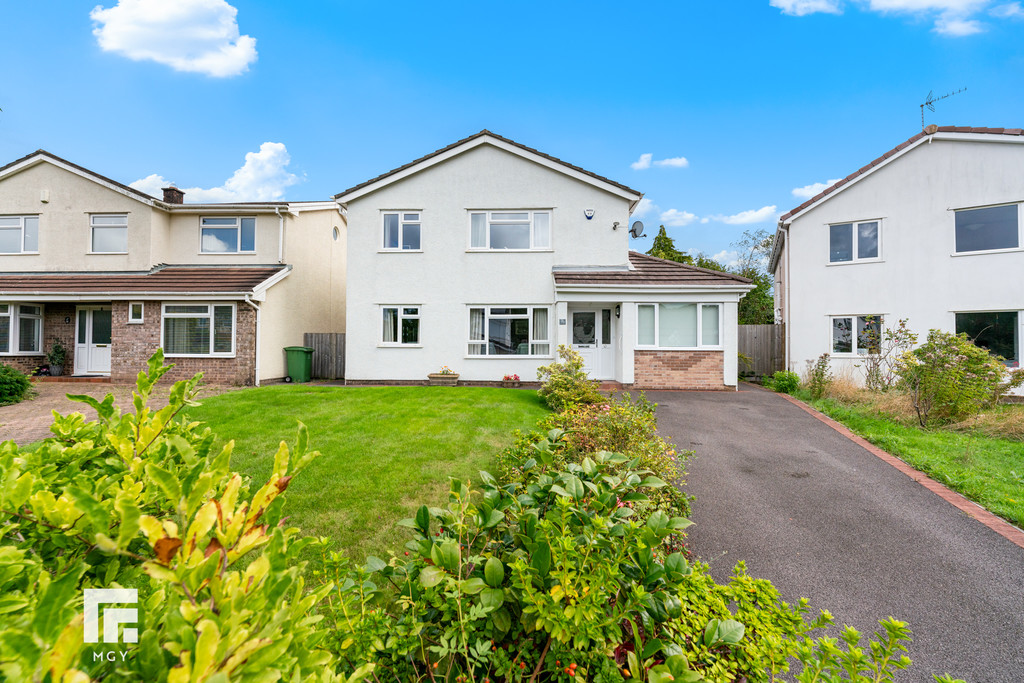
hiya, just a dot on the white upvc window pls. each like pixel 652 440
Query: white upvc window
pixel 401 231
pixel 509 331
pixel 679 326
pixel 400 325
pixel 997 331
pixel 227 234
pixel 19 234
pixel 21 329
pixel 136 311
pixel 855 241
pixel 109 234
pixel 857 335
pixel 198 329
pixel 509 230
pixel 988 228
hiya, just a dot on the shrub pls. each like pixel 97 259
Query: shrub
pixel 565 383
pixel 819 376
pixel 881 366
pixel 783 381
pixel 14 384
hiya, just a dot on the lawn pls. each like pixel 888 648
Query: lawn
pixel 385 450
pixel 988 470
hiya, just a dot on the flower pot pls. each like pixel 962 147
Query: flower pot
pixel 438 380
pixel 56 370
pixel 511 384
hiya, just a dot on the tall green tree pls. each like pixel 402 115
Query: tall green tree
pixel 664 247
pixel 758 306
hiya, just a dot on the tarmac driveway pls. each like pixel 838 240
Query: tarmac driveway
pixel 823 518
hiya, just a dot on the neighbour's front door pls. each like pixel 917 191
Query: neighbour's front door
pixel 591 337
pixel 92 341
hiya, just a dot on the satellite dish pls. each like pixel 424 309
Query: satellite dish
pixel 636 231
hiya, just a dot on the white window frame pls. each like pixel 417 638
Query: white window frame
pixel 533 340
pixel 15 316
pixel 1004 250
pixel 21 227
pixel 854 228
pixel 401 316
pixel 700 327
pixel 93 226
pixel 489 221
pixel 238 234
pixel 1011 363
pixel 209 314
pixel 401 229
pixel 142 313
pixel 855 350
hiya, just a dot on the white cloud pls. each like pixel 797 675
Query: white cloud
pixel 1011 10
pixel 675 218
pixel 799 8
pixel 673 162
pixel 729 259
pixel 198 36
pixel 765 213
pixel 643 162
pixel 953 26
pixel 644 207
pixel 263 178
pixel 808 191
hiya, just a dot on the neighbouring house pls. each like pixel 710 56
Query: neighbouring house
pixel 113 274
pixel 486 255
pixel 930 231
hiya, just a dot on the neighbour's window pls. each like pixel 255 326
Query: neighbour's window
pixel 19 234
pixel 679 325
pixel 227 235
pixel 109 234
pixel 199 329
pixel 21 328
pixel 862 341
pixel 994 227
pixel 509 331
pixel 853 242
pixel 997 331
pixel 401 231
pixel 401 325
pixel 519 230
pixel 135 312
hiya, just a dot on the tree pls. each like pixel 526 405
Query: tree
pixel 758 306
pixel 664 247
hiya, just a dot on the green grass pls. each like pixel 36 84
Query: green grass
pixel 989 471
pixel 385 450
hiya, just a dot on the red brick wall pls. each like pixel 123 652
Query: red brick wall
pixel 132 345
pixel 678 370
pixel 54 328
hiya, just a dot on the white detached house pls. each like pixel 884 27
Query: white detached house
pixel 486 255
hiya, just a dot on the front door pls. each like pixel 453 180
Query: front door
pixel 591 337
pixel 92 341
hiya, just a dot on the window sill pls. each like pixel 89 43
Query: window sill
pixel 225 253
pixel 982 252
pixel 19 253
pixel 399 251
pixel 855 263
pixel 399 346
pixel 511 356
pixel 679 348
pixel 38 354
pixel 850 356
pixel 106 253
pixel 136 322
pixel 199 355
pixel 509 251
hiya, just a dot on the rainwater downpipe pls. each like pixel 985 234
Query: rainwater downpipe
pixel 256 369
pixel 280 235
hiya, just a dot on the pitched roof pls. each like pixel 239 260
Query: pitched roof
pixel 930 130
pixel 160 280
pixel 649 270
pixel 472 138
pixel 81 169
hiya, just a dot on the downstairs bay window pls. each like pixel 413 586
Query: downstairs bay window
pixel 509 331
pixel 21 329
pixel 679 326
pixel 199 329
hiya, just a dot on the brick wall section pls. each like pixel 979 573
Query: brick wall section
pixel 54 328
pixel 132 345
pixel 678 370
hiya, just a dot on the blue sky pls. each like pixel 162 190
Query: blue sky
pixel 744 101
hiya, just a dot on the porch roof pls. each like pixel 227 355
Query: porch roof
pixel 649 271
pixel 162 280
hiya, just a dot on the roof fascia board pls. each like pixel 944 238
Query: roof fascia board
pixel 42 158
pixel 49 297
pixel 260 291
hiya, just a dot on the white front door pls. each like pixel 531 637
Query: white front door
pixel 591 336
pixel 92 341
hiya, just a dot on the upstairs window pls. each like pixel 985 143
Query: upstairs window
pixel 19 234
pixel 401 231
pixel 679 325
pixel 862 340
pixel 227 235
pixel 109 234
pixel 850 242
pixel 994 227
pixel 997 331
pixel 510 230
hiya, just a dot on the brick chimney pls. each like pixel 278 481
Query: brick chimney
pixel 173 195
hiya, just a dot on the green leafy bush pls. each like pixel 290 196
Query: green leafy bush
pixel 566 383
pixel 819 376
pixel 14 384
pixel 783 381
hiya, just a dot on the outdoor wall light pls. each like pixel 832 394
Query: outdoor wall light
pixel 618 310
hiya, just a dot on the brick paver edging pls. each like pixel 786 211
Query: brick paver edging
pixel 996 524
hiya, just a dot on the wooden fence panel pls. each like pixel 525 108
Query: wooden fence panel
pixel 765 345
pixel 328 354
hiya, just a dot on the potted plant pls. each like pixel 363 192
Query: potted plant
pixel 511 381
pixel 56 357
pixel 445 378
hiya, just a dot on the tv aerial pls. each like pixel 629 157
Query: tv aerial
pixel 932 99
